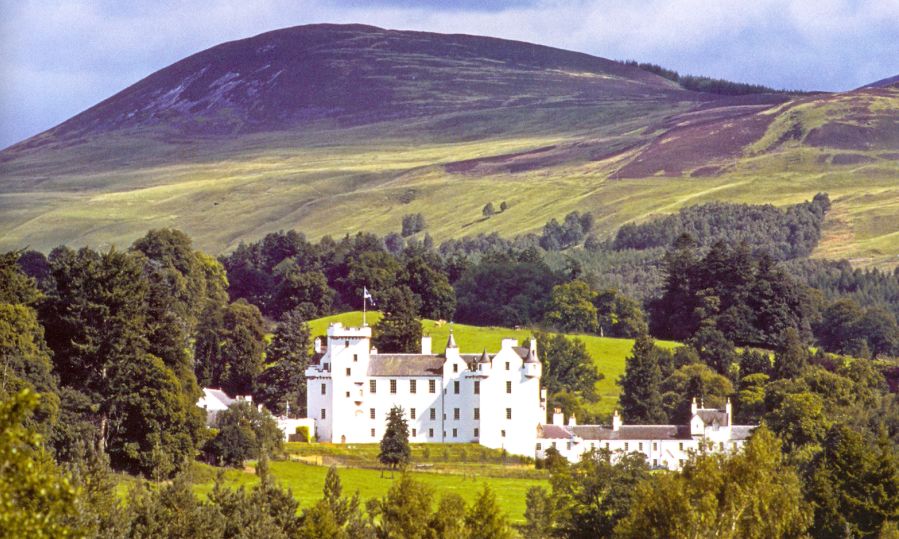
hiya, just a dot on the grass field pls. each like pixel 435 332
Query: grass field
pixel 306 481
pixel 608 353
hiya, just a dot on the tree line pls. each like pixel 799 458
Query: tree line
pixel 707 84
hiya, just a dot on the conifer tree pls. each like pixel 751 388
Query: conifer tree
pixel 395 451
pixel 485 519
pixel 641 397
pixel 399 329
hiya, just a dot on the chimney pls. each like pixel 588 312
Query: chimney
pixel 693 408
pixel 317 345
pixel 728 411
pixel 616 422
pixel 508 343
pixel 532 344
pixel 572 421
pixel 426 345
pixel 558 418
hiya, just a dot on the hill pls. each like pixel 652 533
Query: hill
pixel 608 353
pixel 332 129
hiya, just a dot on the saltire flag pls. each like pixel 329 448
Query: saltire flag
pixel 366 295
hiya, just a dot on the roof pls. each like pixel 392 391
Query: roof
pixel 711 416
pixel 625 432
pixel 218 395
pixel 522 351
pixel 553 431
pixel 484 357
pixel 405 365
pixel 741 432
pixel 532 357
pixel 451 341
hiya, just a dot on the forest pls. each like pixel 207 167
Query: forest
pixel 104 352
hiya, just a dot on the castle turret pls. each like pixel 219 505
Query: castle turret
pixel 532 367
pixel 484 362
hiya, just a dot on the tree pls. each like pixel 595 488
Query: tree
pixel 422 274
pixel 244 433
pixel 567 367
pixel 641 397
pixel 399 329
pixel 618 315
pixel 792 356
pixel 306 291
pixel 242 348
pixel 395 452
pixel 488 210
pixel 539 514
pixel 402 512
pixel 714 349
pixel 283 382
pixel 485 519
pixel 693 381
pixel 413 223
pixel 501 291
pixel 448 520
pixel 37 498
pixel 878 326
pixel 571 308
pixel 503 206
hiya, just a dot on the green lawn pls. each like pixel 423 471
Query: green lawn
pixel 306 481
pixel 608 353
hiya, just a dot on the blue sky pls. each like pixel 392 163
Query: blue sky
pixel 59 58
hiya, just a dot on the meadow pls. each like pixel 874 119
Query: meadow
pixel 608 353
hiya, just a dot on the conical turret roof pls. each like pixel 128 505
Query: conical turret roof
pixel 484 357
pixel 451 342
pixel 532 357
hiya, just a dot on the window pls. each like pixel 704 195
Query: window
pixel 432 386
pixel 680 446
pixel 412 387
pixel 508 413
pixel 349 372
pixel 373 386
pixel 568 446
pixel 502 433
pixel 433 413
pixel 393 387
pixel 347 394
pixel 607 445
pixel 508 387
pixel 539 446
pixel 655 463
pixel 507 365
pixel 477 413
pixel 554 443
pixel 371 413
pixel 626 444
pixel 456 413
pixel 455 367
pixel 430 433
pixel 346 343
pixel 326 366
pixel 372 433
pixel 455 433
pixel 477 387
pixel 456 387
pixel 640 447
pixel 477 432
pixel 681 462
pixel 412 413
pixel 324 414
pixel 655 446
pixel 324 389
pixel 414 433
pixel 355 358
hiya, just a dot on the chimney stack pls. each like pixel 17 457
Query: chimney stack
pixel 426 345
pixel 317 345
pixel 616 422
pixel 572 421
pixel 693 407
pixel 728 411
pixel 558 417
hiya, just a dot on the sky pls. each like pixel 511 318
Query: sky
pixel 58 58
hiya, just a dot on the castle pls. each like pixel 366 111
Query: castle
pixel 494 400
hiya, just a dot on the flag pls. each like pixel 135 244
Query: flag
pixel 367 296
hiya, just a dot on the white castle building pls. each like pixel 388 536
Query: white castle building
pixel 663 446
pixel 494 400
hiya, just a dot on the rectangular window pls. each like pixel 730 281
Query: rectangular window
pixel 414 433
pixel 412 413
pixel 373 386
pixel 539 446
pixel 655 446
pixel 455 433
pixel 508 413
pixel 355 358
pixel 393 387
pixel 477 432
pixel 324 414
pixel 372 433
pixel 477 413
pixel 456 387
pixel 655 463
pixel 502 433
pixel 455 367
pixel 432 386
pixel 412 388
pixel 326 366
pixel 430 433
pixel 371 413
pixel 626 446
pixel 347 394
pixel 433 413
pixel 507 365
pixel 324 389
pixel 641 446
pixel 680 446
pixel 456 413
pixel 568 446
pixel 508 387
pixel 607 445
pixel 477 387
pixel 349 372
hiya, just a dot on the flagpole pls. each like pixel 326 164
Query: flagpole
pixel 364 324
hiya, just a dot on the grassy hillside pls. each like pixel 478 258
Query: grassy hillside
pixel 609 354
pixel 547 131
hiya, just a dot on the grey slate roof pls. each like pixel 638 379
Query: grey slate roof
pixel 532 357
pixel 626 432
pixel 522 351
pixel 710 416
pixel 484 357
pixel 405 365
pixel 741 432
pixel 451 341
